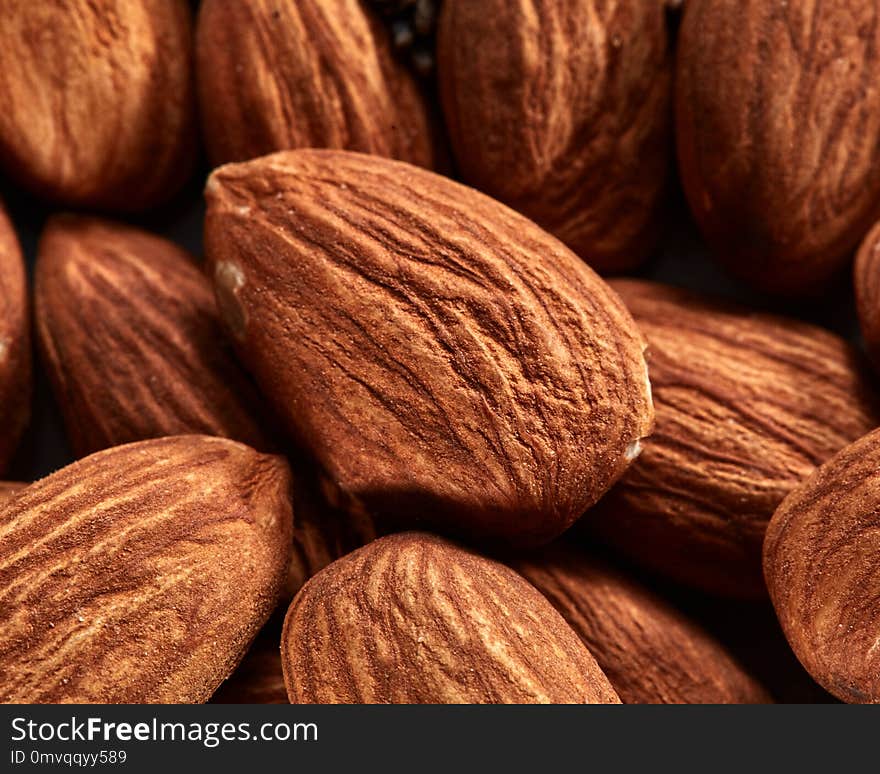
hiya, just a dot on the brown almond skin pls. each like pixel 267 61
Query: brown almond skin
pixel 866 281
pixel 131 339
pixel 779 134
pixel 442 358
pixel 562 109
pixel 98 99
pixel 142 573
pixel 651 652
pixel 9 488
pixel 301 74
pixel 748 405
pixel 822 564
pixel 15 342
pixel 413 618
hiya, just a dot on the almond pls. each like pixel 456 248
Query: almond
pixel 778 130
pixel 441 357
pixel 748 405
pixel 132 340
pixel 15 347
pixel 562 109
pixel 97 99
pixel 866 280
pixel 651 652
pixel 142 573
pixel 413 618
pixel 301 74
pixel 9 488
pixel 821 560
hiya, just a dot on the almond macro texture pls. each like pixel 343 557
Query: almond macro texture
pixel 778 126
pixel 412 619
pixel 822 564
pixel 442 357
pixel 651 652
pixel 280 74
pixel 97 99
pixel 15 338
pixel 142 573
pixel 562 109
pixel 132 341
pixel 747 406
pixel 866 280
pixel 9 488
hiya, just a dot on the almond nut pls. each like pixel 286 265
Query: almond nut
pixel 866 279
pixel 747 405
pixel 562 109
pixel 302 74
pixel 821 561
pixel 778 130
pixel 97 99
pixel 132 340
pixel 142 573
pixel 15 341
pixel 441 357
pixel 412 618
pixel 651 652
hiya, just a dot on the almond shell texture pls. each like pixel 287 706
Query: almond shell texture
pixel 142 573
pixel 443 358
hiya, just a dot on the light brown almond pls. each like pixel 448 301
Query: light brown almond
pixel 443 358
pixel 132 341
pixel 142 573
pixel 413 618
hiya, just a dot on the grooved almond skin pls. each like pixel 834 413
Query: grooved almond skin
pixel 301 74
pixel 98 99
pixel 562 109
pixel 442 357
pixel 822 565
pixel 142 573
pixel 779 133
pixel 651 652
pixel 132 341
pixel 866 280
pixel 747 406
pixel 15 342
pixel 412 618
pixel 9 488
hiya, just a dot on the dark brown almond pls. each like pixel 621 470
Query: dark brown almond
pixel 562 109
pixel 142 573
pixel 132 341
pixel 15 338
pixel 442 357
pixel 280 74
pixel 98 99
pixel 866 280
pixel 413 618
pixel 748 405
pixel 822 564
pixel 650 651
pixel 778 129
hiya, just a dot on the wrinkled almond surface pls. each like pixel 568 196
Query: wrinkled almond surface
pixel 98 99
pixel 279 74
pixel 822 564
pixel 561 109
pixel 442 357
pixel 651 652
pixel 132 341
pixel 866 280
pixel 413 618
pixel 142 573
pixel 748 405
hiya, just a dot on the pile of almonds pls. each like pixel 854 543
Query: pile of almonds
pixel 394 438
